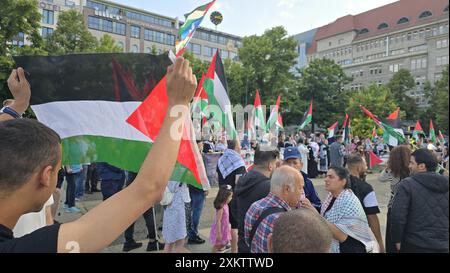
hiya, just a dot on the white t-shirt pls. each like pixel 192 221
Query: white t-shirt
pixel 30 222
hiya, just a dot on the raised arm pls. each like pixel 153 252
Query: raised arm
pixel 103 224
pixel 20 89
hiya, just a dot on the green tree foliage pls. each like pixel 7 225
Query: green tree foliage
pixel 378 99
pixel 400 84
pixel 323 81
pixel 439 104
pixel 268 60
pixel 71 35
pixel 108 45
pixel 198 66
pixel 16 16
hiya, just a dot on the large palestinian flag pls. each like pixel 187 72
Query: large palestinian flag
pixel 215 85
pixel 87 99
pixel 260 121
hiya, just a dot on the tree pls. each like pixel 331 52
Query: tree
pixel 107 45
pixel 439 103
pixel 378 99
pixel 268 60
pixel 71 35
pixel 16 16
pixel 400 84
pixel 323 81
pixel 198 66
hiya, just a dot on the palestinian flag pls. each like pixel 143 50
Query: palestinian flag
pixel 393 119
pixel 187 30
pixel 346 129
pixel 441 138
pixel 260 121
pixel 374 159
pixel 307 117
pixel 418 130
pixel 87 99
pixel 388 130
pixel 432 133
pixel 275 116
pixel 215 85
pixel 200 100
pixel 333 129
pixel 280 121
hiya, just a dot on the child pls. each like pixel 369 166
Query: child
pixel 220 234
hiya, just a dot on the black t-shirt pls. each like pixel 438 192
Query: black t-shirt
pixel 43 240
pixel 366 195
pixel 231 178
pixel 351 245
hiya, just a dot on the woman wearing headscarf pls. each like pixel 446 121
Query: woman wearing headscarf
pixel 345 215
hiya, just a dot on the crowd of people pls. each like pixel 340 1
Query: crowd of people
pixel 270 206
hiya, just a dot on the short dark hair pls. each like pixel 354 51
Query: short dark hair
pixel 301 231
pixel 231 144
pixel 342 173
pixel 354 159
pixel 27 145
pixel 261 158
pixel 424 156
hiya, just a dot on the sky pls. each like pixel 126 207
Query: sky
pixel 249 17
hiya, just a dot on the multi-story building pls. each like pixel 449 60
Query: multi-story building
pixel 136 30
pixel 372 46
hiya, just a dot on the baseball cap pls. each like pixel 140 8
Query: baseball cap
pixel 291 152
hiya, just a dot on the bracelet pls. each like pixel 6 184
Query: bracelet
pixel 8 110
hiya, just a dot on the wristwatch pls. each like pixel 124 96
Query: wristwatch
pixel 8 110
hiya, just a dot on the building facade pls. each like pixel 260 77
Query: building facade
pixel 136 30
pixel 372 46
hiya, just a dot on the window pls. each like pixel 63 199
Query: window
pixel 134 49
pixel 159 37
pixel 442 43
pixel 135 31
pixel 195 48
pixel 148 50
pixel 48 17
pixel 398 52
pixel 70 3
pixel 402 20
pixel 46 31
pixel 93 22
pixel 222 40
pixel 418 48
pixel 443 60
pixel 425 14
pixel 119 28
pixel 120 44
pixel 363 31
pixel 225 54
pixel 207 51
pixel 383 25
pixel 395 67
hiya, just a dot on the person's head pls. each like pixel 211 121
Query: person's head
pixel 200 145
pixel 223 197
pixel 292 157
pixel 336 180
pixel 339 139
pixel 360 149
pixel 300 141
pixel 287 183
pixel 31 161
pixel 398 162
pixel 300 231
pixel 234 145
pixel 266 160
pixel 356 165
pixel 422 160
